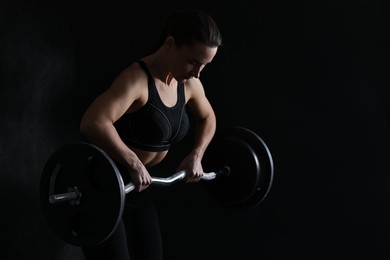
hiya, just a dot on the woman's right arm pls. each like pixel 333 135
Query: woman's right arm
pixel 97 124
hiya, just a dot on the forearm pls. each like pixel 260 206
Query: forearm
pixel 204 132
pixel 105 136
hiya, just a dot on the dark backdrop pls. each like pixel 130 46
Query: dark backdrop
pixel 310 77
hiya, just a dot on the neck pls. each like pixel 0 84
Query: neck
pixel 158 66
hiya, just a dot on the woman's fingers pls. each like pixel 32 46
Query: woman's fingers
pixel 194 176
pixel 141 180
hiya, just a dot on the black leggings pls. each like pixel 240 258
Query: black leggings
pixel 137 236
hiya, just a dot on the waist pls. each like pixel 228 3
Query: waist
pixel 149 158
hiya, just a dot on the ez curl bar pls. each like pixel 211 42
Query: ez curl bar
pixel 82 190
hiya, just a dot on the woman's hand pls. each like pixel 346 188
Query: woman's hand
pixel 140 177
pixel 193 168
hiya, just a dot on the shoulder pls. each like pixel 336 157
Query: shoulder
pixel 194 88
pixel 131 78
pixel 132 74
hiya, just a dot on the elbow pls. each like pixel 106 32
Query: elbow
pixel 209 123
pixel 84 127
pixel 91 128
pixel 212 121
pixel 87 127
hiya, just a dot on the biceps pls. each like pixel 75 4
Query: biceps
pixel 109 106
pixel 200 107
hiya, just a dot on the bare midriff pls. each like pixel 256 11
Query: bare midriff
pixel 149 158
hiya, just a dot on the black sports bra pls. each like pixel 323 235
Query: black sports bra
pixel 154 127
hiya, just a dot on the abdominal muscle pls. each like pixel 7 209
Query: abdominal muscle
pixel 148 158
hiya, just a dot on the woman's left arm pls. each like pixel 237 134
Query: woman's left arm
pixel 205 126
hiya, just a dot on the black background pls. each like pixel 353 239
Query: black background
pixel 310 77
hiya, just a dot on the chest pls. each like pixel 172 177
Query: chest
pixel 168 94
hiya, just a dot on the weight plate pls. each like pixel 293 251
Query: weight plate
pixel 87 168
pixel 251 166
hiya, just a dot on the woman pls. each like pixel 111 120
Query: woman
pixel 142 113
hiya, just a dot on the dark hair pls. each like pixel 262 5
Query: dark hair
pixel 191 26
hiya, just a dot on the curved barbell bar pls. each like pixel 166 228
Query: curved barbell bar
pixel 74 194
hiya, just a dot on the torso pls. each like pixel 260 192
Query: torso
pixel 149 158
pixel 169 97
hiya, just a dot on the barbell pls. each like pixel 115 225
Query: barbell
pixel 82 191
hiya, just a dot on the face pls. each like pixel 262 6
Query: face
pixel 188 61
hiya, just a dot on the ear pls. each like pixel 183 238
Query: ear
pixel 170 42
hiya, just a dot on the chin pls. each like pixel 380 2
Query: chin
pixel 182 80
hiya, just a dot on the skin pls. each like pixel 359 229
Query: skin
pixel 169 65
